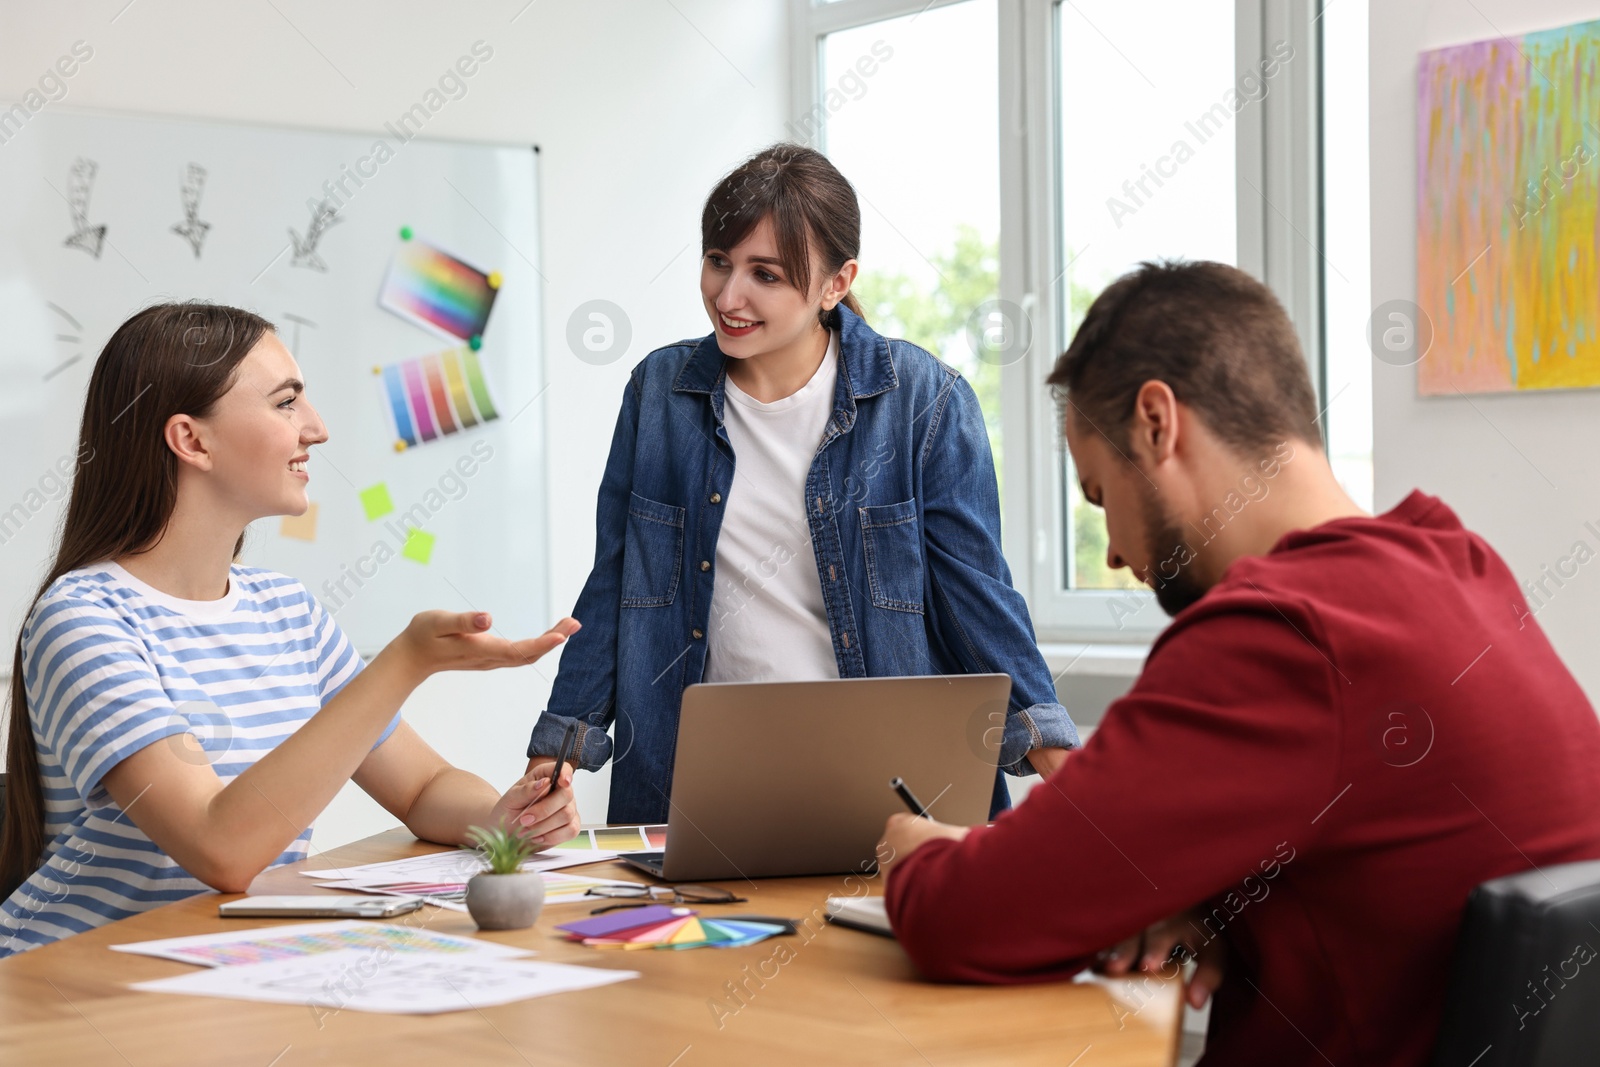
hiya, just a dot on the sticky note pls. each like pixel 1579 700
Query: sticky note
pixel 375 501
pixel 300 527
pixel 418 546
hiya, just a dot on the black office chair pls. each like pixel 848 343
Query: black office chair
pixel 1525 982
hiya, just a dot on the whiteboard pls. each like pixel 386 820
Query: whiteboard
pixel 225 213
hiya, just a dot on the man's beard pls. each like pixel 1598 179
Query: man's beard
pixel 1167 548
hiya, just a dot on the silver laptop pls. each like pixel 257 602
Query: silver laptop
pixel 792 778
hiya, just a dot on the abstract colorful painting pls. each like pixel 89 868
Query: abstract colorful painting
pixel 435 395
pixel 1508 187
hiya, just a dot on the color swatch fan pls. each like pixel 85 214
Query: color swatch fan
pixel 659 926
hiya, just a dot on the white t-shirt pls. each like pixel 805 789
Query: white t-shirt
pixel 768 622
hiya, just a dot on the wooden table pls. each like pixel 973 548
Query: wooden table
pixel 835 996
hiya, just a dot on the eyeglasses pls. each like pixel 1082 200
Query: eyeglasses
pixel 639 895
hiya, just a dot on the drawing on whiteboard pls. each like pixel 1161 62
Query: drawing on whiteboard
pixel 65 338
pixel 435 395
pixel 323 216
pixel 80 183
pixel 191 228
pixel 298 322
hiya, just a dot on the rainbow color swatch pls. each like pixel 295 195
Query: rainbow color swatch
pixel 439 292
pixel 436 395
pixel 1508 198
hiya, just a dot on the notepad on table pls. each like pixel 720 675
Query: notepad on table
pixel 860 913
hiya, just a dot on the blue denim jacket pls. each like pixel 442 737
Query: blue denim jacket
pixel 905 523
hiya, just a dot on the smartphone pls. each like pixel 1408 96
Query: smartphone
pixel 318 907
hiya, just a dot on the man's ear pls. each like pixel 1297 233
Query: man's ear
pixel 839 285
pixel 1153 431
pixel 187 438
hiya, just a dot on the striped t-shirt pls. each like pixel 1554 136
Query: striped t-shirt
pixel 112 665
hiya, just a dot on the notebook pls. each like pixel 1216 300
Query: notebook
pixel 860 913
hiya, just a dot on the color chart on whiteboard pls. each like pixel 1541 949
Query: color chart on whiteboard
pixel 436 395
pixel 439 292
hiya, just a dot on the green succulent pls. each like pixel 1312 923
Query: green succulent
pixel 500 848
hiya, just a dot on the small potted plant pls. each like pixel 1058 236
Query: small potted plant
pixel 504 896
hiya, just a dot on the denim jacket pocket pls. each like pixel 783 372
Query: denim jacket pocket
pixel 892 541
pixel 652 554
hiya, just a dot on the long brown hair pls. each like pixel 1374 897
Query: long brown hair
pixel 167 360
pixel 808 201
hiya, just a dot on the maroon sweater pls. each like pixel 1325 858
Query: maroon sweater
pixel 1326 753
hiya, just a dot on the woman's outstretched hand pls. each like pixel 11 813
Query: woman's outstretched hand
pixel 461 641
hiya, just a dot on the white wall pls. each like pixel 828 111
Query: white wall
pixel 1488 459
pixel 637 107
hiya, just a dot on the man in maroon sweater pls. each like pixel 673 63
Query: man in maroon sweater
pixel 1350 723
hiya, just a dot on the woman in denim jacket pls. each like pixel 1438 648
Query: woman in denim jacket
pixel 857 534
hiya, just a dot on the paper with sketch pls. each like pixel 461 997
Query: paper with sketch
pixel 454 866
pixel 369 980
pixel 450 867
pixel 449 895
pixel 558 888
pixel 299 940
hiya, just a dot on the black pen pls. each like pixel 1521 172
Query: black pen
pixel 899 786
pixel 562 756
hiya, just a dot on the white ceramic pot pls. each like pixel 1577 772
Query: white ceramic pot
pixel 505 901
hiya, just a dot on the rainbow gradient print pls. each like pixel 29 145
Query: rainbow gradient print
pixel 1508 187
pixel 436 395
pixel 438 291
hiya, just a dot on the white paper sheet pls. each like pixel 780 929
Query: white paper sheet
pixel 570 888
pixel 558 888
pixel 302 940
pixel 393 983
pixel 455 866
pixel 451 898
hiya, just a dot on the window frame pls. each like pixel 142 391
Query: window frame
pixel 1278 142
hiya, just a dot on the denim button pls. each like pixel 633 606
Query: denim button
pixel 698 635
pixel 705 564
pixel 716 498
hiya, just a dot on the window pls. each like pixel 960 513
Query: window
pixel 922 149
pixel 1347 233
pixel 1152 177
pixel 1015 156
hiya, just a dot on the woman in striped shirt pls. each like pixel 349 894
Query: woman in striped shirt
pixel 178 720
